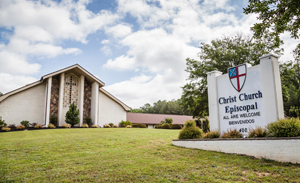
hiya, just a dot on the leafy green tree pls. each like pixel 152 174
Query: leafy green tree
pixel 157 107
pixel 136 111
pixel 219 55
pixel 72 115
pixel 277 17
pixel 147 108
pixel 290 85
pixel 1 94
pixel 163 107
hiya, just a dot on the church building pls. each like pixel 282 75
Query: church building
pixel 53 94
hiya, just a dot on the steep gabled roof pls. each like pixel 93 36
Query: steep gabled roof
pixel 75 68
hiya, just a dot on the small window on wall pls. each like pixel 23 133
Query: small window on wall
pixel 70 90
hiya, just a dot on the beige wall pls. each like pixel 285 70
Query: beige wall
pixel 109 111
pixel 26 105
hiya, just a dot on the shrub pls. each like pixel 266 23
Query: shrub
pixel 289 127
pixel 211 135
pixel 38 126
pixel 84 125
pixel 232 134
pixel 51 125
pixel 128 126
pixel 32 124
pixel 143 126
pixel 95 126
pixel 21 127
pixel 106 126
pixel 53 120
pixel 139 126
pixel 205 125
pixel 124 123
pixel 165 126
pixel 2 123
pixel 190 131
pixel 111 124
pixel 169 121
pixel 66 126
pixel 5 129
pixel 157 126
pixel 257 132
pixel 176 126
pixel 190 123
pixel 25 123
pixel 12 126
pixel 135 125
pixel 115 126
pixel 72 115
pixel 88 121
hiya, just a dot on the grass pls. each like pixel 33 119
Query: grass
pixel 125 155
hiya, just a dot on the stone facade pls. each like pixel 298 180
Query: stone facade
pixel 54 96
pixel 87 99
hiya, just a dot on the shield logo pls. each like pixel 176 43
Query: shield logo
pixel 237 76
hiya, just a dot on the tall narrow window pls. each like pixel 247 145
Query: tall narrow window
pixel 70 90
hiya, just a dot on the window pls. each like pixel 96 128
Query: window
pixel 70 90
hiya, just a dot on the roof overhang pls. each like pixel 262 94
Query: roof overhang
pixel 78 70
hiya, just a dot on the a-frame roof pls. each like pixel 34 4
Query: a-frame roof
pixel 77 69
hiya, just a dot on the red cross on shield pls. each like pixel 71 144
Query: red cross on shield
pixel 237 76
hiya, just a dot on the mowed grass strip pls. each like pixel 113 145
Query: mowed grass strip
pixel 125 155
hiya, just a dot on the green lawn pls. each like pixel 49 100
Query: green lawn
pixel 125 155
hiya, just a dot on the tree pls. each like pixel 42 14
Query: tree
pixel 277 16
pixel 157 106
pixel 136 111
pixel 290 85
pixel 219 55
pixel 1 94
pixel 147 108
pixel 163 107
pixel 72 115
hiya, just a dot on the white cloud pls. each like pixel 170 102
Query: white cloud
pixel 119 31
pixel 105 41
pixel 106 50
pixel 142 89
pixel 12 63
pixel 120 63
pixel 166 38
pixel 9 82
pixel 38 29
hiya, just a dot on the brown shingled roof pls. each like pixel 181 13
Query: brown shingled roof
pixel 156 118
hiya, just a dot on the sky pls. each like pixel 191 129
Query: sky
pixel 137 48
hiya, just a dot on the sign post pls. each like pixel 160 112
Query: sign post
pixel 246 96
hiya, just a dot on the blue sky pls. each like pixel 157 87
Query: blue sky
pixel 137 47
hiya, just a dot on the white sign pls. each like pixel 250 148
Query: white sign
pixel 245 96
pixel 240 103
